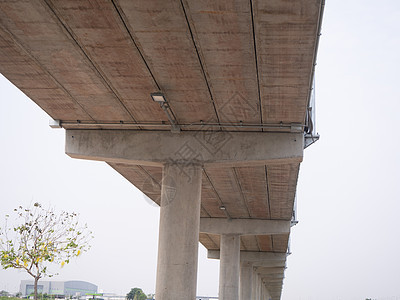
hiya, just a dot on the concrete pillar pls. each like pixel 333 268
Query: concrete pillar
pixel 179 232
pixel 246 280
pixel 266 294
pixel 260 288
pixel 254 286
pixel 229 267
pixel 257 287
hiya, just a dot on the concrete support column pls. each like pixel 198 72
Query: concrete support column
pixel 259 288
pixel 246 280
pixel 256 287
pixel 265 291
pixel 179 232
pixel 267 295
pixel 229 267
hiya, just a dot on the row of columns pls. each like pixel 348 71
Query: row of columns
pixel 178 245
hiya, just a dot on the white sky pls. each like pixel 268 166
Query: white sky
pixel 347 242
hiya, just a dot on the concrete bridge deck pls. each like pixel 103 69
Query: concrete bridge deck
pixel 237 77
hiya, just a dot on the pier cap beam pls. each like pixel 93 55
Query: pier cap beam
pixel 155 148
pixel 268 277
pixel 268 270
pixel 271 263
pixel 244 226
pixel 258 258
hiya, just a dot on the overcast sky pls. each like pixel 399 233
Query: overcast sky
pixel 346 245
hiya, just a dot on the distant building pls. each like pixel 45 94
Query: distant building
pixel 66 288
pixel 206 298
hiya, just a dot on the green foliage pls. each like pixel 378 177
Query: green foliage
pixel 40 237
pixel 136 294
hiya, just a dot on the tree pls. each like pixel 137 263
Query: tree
pixel 40 237
pixel 136 294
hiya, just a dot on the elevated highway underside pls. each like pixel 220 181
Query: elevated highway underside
pixel 226 68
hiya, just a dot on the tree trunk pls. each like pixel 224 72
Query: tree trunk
pixel 35 287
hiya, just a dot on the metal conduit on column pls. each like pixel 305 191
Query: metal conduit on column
pixel 179 232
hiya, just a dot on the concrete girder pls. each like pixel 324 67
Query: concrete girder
pixel 210 149
pixel 244 226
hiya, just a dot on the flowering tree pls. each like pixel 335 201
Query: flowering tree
pixel 41 237
pixel 136 294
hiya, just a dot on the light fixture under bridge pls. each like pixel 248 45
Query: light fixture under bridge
pixel 159 97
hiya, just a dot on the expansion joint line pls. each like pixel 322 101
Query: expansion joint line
pixel 200 61
pixel 253 26
pixel 97 69
pixel 125 23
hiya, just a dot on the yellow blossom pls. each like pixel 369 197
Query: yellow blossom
pixel 25 263
pixel 62 264
pixel 17 261
pixel 37 260
pixel 78 253
pixel 5 255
